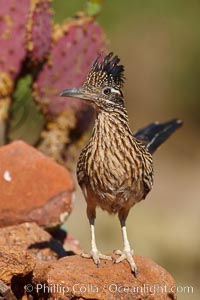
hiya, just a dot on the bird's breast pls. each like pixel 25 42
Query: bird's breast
pixel 113 166
pixel 112 170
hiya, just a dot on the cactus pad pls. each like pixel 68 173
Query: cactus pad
pixel 76 45
pixel 13 18
pixel 39 29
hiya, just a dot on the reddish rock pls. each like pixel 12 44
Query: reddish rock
pixel 32 239
pixel 14 262
pixel 77 278
pixel 33 187
pixel 29 269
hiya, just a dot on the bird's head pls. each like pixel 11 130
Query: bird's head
pixel 103 85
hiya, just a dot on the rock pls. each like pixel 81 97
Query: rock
pixel 6 292
pixel 33 187
pixel 33 240
pixel 16 269
pixel 31 268
pixel 14 262
pixel 77 278
pixel 22 247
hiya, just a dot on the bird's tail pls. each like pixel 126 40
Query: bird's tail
pixel 155 134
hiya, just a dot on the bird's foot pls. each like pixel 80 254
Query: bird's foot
pixel 96 256
pixel 128 255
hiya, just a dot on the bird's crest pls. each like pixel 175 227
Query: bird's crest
pixel 106 71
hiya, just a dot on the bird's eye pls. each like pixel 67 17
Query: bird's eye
pixel 107 91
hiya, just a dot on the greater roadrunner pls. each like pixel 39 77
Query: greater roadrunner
pixel 115 169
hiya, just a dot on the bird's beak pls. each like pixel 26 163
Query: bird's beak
pixel 77 93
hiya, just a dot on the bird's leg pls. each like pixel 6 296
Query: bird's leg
pixel 127 252
pixel 94 253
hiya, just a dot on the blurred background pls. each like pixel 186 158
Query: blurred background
pixel 159 43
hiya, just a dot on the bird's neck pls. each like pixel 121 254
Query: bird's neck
pixel 108 123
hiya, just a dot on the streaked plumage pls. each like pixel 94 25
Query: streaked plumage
pixel 115 169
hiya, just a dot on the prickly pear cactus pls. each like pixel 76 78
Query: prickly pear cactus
pixel 12 24
pixel 22 28
pixel 76 44
pixel 38 59
pixel 39 30
pixel 13 18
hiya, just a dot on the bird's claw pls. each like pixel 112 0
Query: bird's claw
pixel 96 256
pixel 128 255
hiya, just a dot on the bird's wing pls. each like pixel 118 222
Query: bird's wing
pixel 155 134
